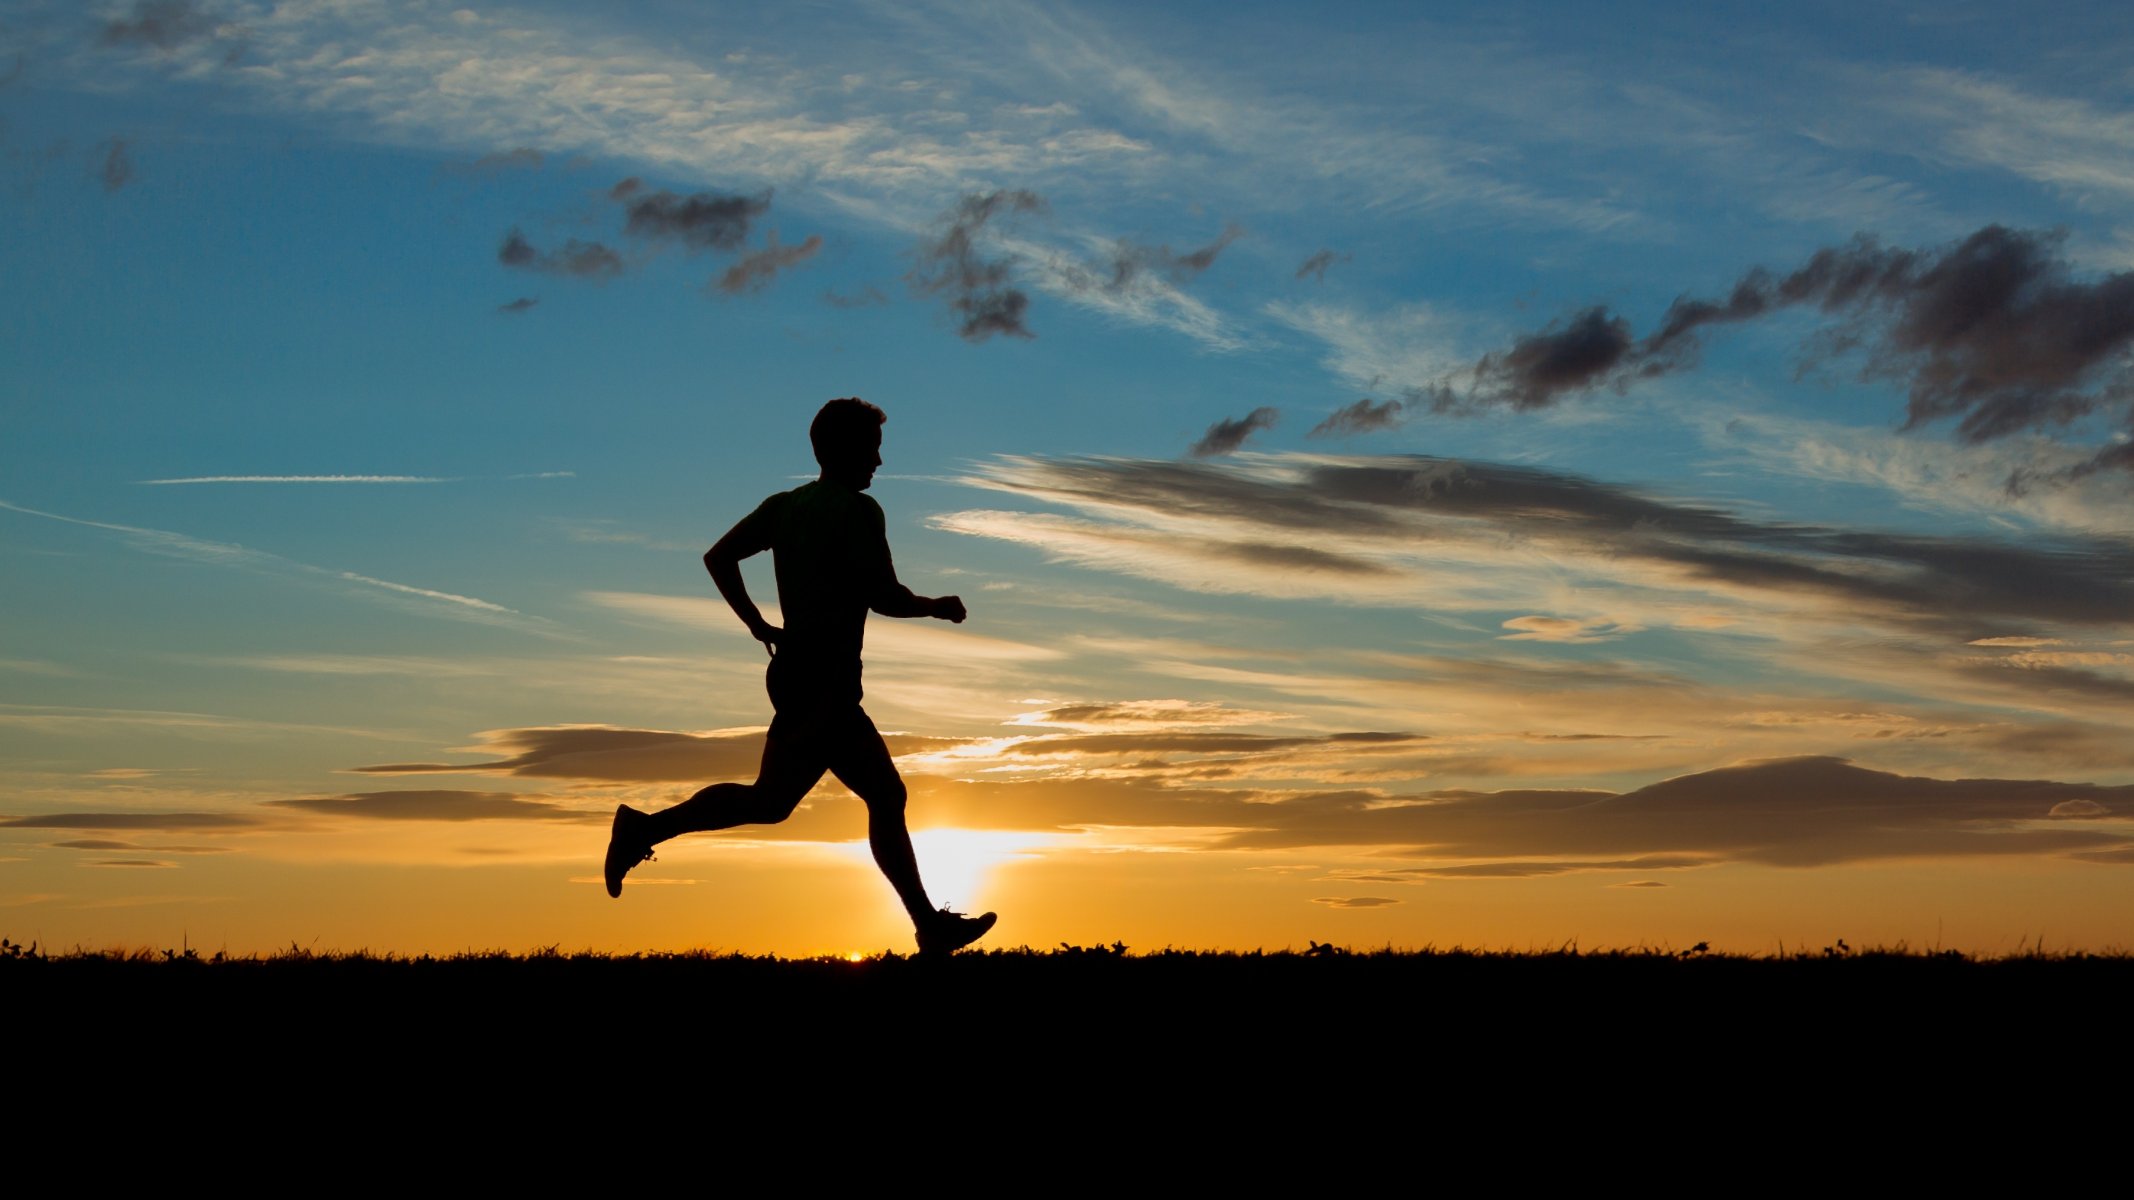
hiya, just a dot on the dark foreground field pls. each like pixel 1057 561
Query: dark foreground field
pixel 1074 1038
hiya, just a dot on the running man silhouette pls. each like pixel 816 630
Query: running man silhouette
pixel 830 550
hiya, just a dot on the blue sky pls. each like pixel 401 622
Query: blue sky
pixel 445 496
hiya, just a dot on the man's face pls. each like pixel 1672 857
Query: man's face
pixel 856 462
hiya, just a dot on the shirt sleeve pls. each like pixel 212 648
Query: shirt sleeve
pixel 756 532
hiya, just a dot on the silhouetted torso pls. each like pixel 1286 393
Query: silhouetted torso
pixel 830 549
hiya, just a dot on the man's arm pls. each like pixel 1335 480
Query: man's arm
pixel 892 599
pixel 724 562
pixel 896 600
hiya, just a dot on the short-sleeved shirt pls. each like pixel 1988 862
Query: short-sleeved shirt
pixel 830 549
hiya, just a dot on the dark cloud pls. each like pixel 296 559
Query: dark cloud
pixel 978 287
pixel 1354 901
pixel 1571 356
pixel 585 260
pixel 754 271
pixel 115 165
pixel 1949 586
pixel 1188 741
pixel 1364 416
pixel 626 189
pixel 622 755
pixel 866 297
pixel 164 24
pixel 109 820
pixel 1787 812
pixel 434 806
pixel 1130 260
pixel 1530 869
pixel 1226 436
pixel 703 221
pixel 107 844
pixel 519 305
pixel 130 862
pixel 1316 265
pixel 1995 333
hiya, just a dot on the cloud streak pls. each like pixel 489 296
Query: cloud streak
pixel 177 545
pixel 755 270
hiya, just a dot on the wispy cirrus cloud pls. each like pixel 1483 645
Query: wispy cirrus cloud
pixel 303 479
pixel 177 545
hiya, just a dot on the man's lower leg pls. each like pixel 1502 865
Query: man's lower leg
pixel 891 843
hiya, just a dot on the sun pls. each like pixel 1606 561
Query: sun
pixel 957 864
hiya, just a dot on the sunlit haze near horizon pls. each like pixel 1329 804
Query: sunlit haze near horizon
pixel 1552 474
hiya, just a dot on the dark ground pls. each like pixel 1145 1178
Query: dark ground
pixel 1263 1051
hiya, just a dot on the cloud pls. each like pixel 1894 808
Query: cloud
pixel 702 221
pixel 521 158
pixel 1364 416
pixel 615 755
pixel 435 806
pixel 755 271
pixel 164 24
pixel 1163 714
pixel 1354 901
pixel 977 287
pixel 1228 435
pixel 522 304
pixel 584 260
pixel 1390 530
pixel 139 820
pixel 178 545
pixel 1129 261
pixel 116 168
pixel 1571 356
pixel 1316 265
pixel 866 297
pixel 1569 631
pixel 1531 869
pixel 130 862
pixel 1788 812
pixel 107 844
pixel 1994 333
pixel 299 479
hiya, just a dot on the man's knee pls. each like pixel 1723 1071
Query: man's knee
pixel 885 798
pixel 770 805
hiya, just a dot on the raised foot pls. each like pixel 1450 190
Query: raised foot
pixel 946 932
pixel 627 846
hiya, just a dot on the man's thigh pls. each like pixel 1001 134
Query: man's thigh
pixel 859 757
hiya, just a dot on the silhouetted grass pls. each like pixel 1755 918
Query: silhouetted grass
pixel 1069 1037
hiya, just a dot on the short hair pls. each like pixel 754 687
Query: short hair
pixel 843 423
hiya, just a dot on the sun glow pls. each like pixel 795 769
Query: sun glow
pixel 957 865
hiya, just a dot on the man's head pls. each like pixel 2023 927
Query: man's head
pixel 847 435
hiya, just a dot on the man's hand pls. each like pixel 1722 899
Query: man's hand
pixel 767 633
pixel 949 608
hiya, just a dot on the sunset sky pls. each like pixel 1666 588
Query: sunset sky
pixel 1605 474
